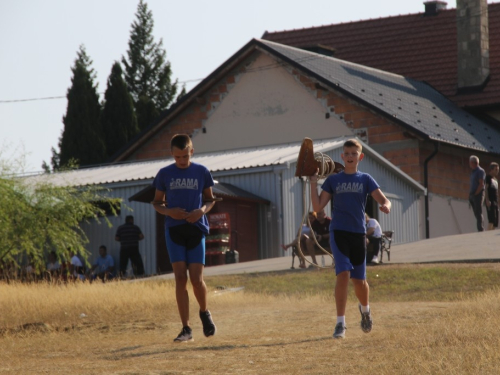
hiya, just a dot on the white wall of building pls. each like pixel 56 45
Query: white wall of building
pixel 451 216
pixel 266 107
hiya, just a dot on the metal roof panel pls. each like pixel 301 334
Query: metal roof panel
pixel 412 103
pixel 248 158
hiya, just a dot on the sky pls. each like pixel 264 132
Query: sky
pixel 39 41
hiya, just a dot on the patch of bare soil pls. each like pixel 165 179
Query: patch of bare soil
pixel 278 337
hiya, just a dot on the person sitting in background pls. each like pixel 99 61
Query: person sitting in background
pixel 373 237
pixel 76 268
pixel 30 272
pixel 104 266
pixel 321 228
pixel 53 266
pixel 304 236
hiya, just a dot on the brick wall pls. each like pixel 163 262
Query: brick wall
pixel 190 120
pixel 448 170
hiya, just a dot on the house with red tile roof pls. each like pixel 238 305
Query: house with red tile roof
pixel 399 84
pixel 456 51
pixel 268 94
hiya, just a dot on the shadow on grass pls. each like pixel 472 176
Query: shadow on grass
pixel 186 347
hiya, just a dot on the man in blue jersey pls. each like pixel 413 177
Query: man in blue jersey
pixel 184 195
pixel 348 191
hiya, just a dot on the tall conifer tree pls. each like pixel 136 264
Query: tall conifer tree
pixel 118 120
pixel 147 71
pixel 82 137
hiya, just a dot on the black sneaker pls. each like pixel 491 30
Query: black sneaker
pixel 366 320
pixel 209 328
pixel 339 332
pixel 185 335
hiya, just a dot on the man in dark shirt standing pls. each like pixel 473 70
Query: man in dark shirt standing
pixel 129 236
pixel 476 192
pixel 491 185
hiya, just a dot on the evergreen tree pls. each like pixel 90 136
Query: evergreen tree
pixel 82 137
pixel 118 120
pixel 54 162
pixel 147 71
pixel 182 93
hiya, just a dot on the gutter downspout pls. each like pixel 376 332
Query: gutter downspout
pixel 426 185
pixel 279 208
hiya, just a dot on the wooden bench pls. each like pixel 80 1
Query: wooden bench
pixel 295 253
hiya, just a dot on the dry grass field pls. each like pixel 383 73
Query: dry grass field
pixel 428 319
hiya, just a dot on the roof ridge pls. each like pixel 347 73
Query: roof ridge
pixel 353 22
pixel 346 62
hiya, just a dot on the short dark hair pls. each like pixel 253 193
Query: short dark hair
pixel 181 141
pixel 103 247
pixel 353 143
pixel 129 219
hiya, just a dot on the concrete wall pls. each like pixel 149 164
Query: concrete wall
pixel 266 106
pixel 451 216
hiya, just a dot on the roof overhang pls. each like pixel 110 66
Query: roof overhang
pixel 230 162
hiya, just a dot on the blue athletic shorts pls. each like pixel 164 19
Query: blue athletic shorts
pixel 349 252
pixel 185 243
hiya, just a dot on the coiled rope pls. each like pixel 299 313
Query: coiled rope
pixel 326 167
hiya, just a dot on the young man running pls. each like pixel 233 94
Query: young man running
pixel 181 189
pixel 348 190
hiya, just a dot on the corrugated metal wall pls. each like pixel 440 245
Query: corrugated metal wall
pixel 144 216
pixel 405 212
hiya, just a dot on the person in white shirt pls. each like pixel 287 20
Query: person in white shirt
pixel 373 236
pixel 77 271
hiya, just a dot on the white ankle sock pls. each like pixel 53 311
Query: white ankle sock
pixel 365 309
pixel 341 319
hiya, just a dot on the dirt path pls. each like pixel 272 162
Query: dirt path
pixel 285 336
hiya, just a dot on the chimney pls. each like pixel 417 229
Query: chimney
pixel 473 44
pixel 432 8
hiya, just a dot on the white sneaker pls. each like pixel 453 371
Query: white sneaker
pixel 339 332
pixel 375 259
pixel 185 335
